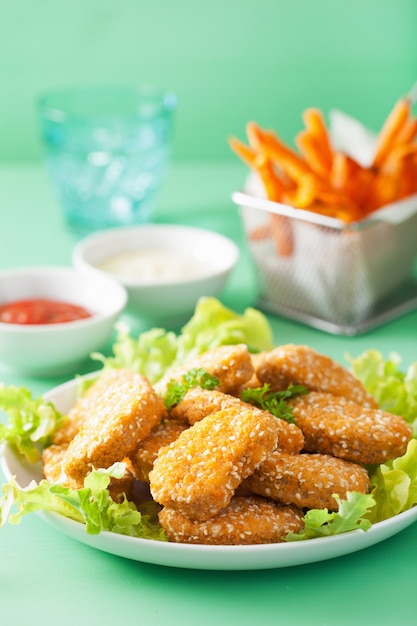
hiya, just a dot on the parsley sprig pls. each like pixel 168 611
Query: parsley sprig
pixel 195 377
pixel 274 401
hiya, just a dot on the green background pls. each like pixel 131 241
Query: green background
pixel 228 61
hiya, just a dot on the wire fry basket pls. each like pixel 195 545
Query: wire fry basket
pixel 341 278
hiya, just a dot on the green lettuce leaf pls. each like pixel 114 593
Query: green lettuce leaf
pixel 151 354
pixel 394 390
pixel 212 325
pixel 91 505
pixel 31 421
pixel 351 515
pixel 394 485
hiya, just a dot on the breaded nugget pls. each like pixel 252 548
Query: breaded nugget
pixel 307 480
pixel 69 427
pixel 53 459
pixel 197 403
pixel 118 420
pixel 244 521
pixel 232 365
pixel 253 382
pixel 81 409
pixel 300 365
pixel 198 473
pixel 333 425
pixel 161 435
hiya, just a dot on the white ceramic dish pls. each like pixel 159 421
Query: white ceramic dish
pixel 163 300
pixel 55 349
pixel 198 556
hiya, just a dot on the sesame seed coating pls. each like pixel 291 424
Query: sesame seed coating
pixel 53 459
pixel 244 521
pixel 307 480
pixel 161 435
pixel 232 365
pixel 198 403
pixel 119 418
pixel 333 425
pixel 199 472
pixel 82 408
pixel 301 365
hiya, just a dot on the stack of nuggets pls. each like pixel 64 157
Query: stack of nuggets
pixel 222 470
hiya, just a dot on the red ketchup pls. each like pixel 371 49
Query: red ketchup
pixel 41 311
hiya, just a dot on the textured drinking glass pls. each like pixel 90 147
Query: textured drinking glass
pixel 107 150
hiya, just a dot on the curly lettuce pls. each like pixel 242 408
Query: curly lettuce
pixel 394 485
pixel 31 421
pixel 394 390
pixel 212 325
pixel 91 505
pixel 351 515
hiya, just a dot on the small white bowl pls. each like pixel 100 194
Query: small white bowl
pixel 160 299
pixel 56 349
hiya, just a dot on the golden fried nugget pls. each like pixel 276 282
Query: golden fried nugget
pixel 244 521
pixel 161 435
pixel 333 425
pixel 198 403
pixel 307 480
pixel 118 420
pixel 253 382
pixel 69 428
pixel 198 473
pixel 300 365
pixel 82 408
pixel 232 365
pixel 53 459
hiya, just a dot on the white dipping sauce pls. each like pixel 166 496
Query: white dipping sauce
pixel 150 266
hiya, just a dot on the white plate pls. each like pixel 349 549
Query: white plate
pixel 199 556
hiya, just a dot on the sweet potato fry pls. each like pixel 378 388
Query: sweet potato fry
pixel 246 153
pixel 280 230
pixel 254 133
pixel 262 165
pixel 315 125
pixel 313 155
pixel 305 193
pixel 390 131
pixel 351 181
pixel 282 233
pixel 279 227
pixel 396 180
pixel 408 132
pixel 341 170
pixel 286 159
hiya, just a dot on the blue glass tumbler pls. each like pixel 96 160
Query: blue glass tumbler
pixel 107 150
